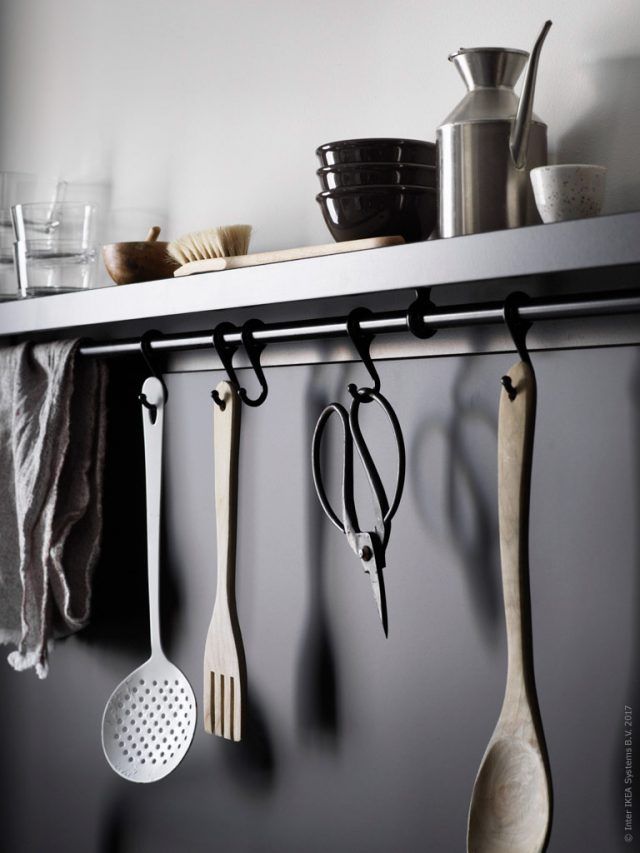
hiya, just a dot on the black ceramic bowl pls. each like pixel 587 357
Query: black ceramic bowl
pixel 368 174
pixel 377 151
pixel 353 213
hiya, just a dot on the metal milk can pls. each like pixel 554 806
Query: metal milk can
pixel 488 144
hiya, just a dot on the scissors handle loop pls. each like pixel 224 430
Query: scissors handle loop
pixel 389 510
pixel 316 464
pixel 352 434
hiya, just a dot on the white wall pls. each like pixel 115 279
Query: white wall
pixel 211 111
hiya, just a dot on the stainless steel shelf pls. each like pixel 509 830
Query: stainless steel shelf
pixel 604 242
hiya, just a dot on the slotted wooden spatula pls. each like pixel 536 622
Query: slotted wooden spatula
pixel 224 663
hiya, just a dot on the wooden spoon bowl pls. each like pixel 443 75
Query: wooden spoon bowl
pixel 139 260
pixel 510 804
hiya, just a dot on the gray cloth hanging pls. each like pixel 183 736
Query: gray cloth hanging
pixel 52 442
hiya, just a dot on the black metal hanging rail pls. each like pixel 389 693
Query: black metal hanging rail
pixel 540 308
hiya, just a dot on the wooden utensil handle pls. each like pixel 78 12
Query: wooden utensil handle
pixel 226 439
pixel 515 451
pixel 259 258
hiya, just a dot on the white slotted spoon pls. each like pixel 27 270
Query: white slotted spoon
pixel 149 720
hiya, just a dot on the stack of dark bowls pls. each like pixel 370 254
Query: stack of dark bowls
pixel 378 188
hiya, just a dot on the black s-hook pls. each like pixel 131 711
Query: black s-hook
pixel 361 340
pixel 226 351
pixel 254 350
pixel 518 329
pixel 147 355
pixel 421 305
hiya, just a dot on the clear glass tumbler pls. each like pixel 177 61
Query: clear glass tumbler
pixel 66 220
pixel 20 188
pixel 49 266
pixel 8 276
pixel 55 248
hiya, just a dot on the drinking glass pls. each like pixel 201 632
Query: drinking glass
pixel 8 278
pixel 55 249
pixel 14 187
pixel 51 265
pixel 66 220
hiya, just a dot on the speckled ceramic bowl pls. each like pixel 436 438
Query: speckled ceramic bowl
pixel 569 191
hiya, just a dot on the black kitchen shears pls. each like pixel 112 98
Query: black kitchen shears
pixel 368 545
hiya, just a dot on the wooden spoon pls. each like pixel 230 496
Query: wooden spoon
pixel 511 802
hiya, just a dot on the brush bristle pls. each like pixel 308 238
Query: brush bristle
pixel 224 242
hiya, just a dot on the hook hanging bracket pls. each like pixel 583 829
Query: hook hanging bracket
pixel 361 340
pixel 225 352
pixel 518 328
pixel 254 350
pixel 416 312
pixel 147 355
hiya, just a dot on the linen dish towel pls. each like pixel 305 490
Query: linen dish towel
pixel 52 443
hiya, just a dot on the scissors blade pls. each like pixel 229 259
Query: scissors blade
pixel 370 558
pixel 377 586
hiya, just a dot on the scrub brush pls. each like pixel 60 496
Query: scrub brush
pixel 223 242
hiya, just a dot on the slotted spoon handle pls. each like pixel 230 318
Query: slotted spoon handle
pixel 515 451
pixel 226 431
pixel 153 422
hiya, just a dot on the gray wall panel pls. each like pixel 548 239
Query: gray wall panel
pixel 355 743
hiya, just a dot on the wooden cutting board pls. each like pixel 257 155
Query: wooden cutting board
pixel 259 258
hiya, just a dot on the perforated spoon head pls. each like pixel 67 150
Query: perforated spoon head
pixel 149 721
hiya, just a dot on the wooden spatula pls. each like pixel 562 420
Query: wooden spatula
pixel 224 663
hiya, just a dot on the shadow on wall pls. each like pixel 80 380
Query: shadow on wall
pixel 120 603
pixel 608 131
pixel 193 809
pixel 251 761
pixel 317 693
pixel 460 490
